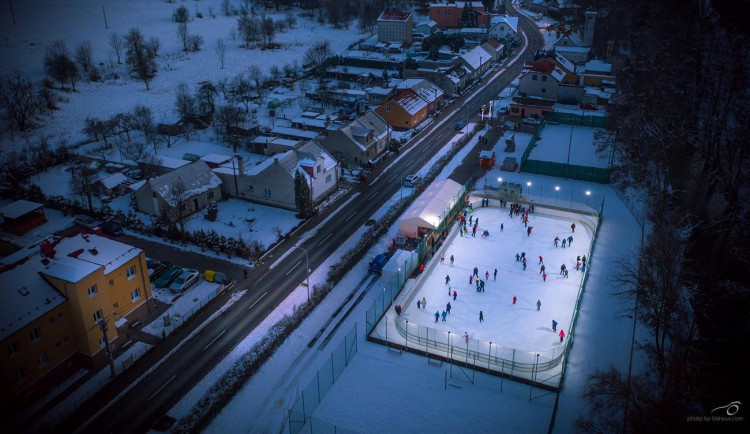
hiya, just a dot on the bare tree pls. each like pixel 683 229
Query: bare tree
pixel 84 56
pixel 275 72
pixel 221 51
pixel 317 55
pixel 227 123
pixel 184 103
pixel 125 123
pixel 115 42
pixel 135 150
pixel 176 197
pixel 291 19
pixel 58 64
pixel 82 183
pixel 205 100
pixel 20 102
pixel 256 75
pixel 249 28
pixel 143 121
pixel 226 8
pixel 182 34
pixel 141 56
pixel 268 28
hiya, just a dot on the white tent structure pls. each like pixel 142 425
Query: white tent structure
pixel 430 208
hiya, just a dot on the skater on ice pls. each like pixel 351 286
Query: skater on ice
pixel 570 240
pixel 542 269
pixel 562 335
pixel 448 308
pixel 419 304
pixel 451 260
pixel 573 227
pixel 443 315
pixel 455 294
pixel 494 275
pixel 541 260
pixel 557 239
pixel 554 325
pixel 514 299
pixel 538 305
pixel 447 279
pixel 437 315
pixel 481 316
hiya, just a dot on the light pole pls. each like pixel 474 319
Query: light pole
pixel 528 184
pixel 588 193
pixel 236 190
pixel 307 264
pixel 557 189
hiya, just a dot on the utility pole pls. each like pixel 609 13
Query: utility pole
pixel 103 325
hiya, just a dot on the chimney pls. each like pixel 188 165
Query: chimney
pixel 588 28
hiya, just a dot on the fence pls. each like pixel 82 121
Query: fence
pixel 312 395
pixel 577 119
pixel 161 331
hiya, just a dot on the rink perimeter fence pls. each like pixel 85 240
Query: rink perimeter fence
pixel 600 175
pixel 543 369
pixel 300 415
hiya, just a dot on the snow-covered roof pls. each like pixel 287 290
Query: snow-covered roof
pixel 136 185
pixel 19 208
pixel 377 90
pixel 216 158
pixel 485 154
pixel 317 151
pixel 112 181
pixel 476 57
pixel 427 90
pixel 394 16
pixel 558 74
pixel 410 101
pixel 294 132
pixel 565 49
pixel 171 162
pixel 511 22
pixel 596 65
pixel 430 207
pixel 565 63
pixel 278 141
pixel 197 178
pixel 359 130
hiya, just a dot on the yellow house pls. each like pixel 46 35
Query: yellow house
pixel 404 111
pixel 55 297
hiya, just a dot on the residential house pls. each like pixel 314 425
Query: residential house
pixel 179 193
pixel 216 160
pixel 404 111
pixel 503 27
pixel 452 79
pixel 426 90
pixel 162 165
pixel 109 185
pixel 55 297
pixel 312 121
pixel 22 216
pixel 425 28
pixel 545 79
pixel 534 107
pixel 271 181
pixel 364 139
pixel 294 133
pixel 395 26
pixel 478 60
pixel 378 95
pixel 596 72
pixel 447 16
pixel 269 145
pixel 574 54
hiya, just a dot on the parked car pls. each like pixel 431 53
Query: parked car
pixel 87 222
pixel 412 180
pixel 184 281
pixel 460 124
pixel 111 228
pixel 168 277
pixel 156 268
pixel 377 264
pixel 531 121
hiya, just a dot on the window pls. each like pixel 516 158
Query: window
pixel 250 188
pixel 35 335
pixel 111 282
pixel 533 77
pixel 21 374
pixel 544 89
pixel 60 315
pixel 130 272
pixel 14 348
pixel 328 178
pixel 267 192
pixel 318 169
pixel 58 345
pixel 67 340
pixel 52 320
pixel 544 78
pixel 387 109
pixel 92 290
pixel 98 315
pixel 43 360
pixel 447 12
pixel 101 342
pixel 135 294
pixel 116 306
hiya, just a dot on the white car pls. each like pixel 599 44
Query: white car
pixel 412 180
pixel 531 121
pixel 184 281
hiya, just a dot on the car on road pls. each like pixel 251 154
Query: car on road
pixel 531 121
pixel 460 124
pixel 86 221
pixel 412 180
pixel 111 228
pixel 168 277
pixel 184 281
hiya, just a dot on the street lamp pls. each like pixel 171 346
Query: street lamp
pixel 557 188
pixel 588 193
pixel 307 263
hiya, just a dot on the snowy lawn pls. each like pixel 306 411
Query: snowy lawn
pixel 555 140
pixel 183 306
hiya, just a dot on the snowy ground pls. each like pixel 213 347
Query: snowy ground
pixel 183 306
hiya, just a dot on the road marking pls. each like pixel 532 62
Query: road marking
pixel 256 301
pixel 373 195
pixel 292 269
pixel 410 161
pixel 211 343
pixel 392 178
pixel 350 216
pixel 325 239
pixel 162 387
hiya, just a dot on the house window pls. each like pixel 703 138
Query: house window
pixel 67 340
pixel 14 348
pixel 210 195
pixel 111 282
pixel 266 192
pixel 447 12
pixel 92 290
pixel 98 316
pixel 52 320
pixel 101 342
pixel 116 306
pixel 250 188
pixel 21 374
pixel 318 169
pixel 328 178
pixel 544 78
pixel 35 335
pixel 58 345
pixel 135 294
pixel 43 360
pixel 533 77
pixel 388 109
pixel 130 272
pixel 544 89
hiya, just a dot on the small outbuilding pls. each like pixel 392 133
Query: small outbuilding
pixel 22 216
pixel 487 159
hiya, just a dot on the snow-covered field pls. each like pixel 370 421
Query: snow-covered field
pixel 556 142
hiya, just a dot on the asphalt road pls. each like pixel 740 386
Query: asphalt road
pixel 143 405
